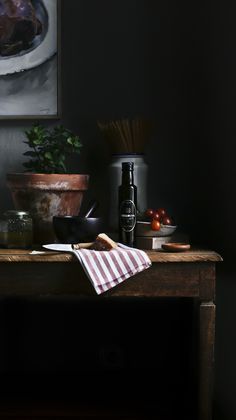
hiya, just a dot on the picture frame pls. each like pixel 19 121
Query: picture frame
pixel 30 78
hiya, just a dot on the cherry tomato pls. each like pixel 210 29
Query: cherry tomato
pixel 149 213
pixel 167 220
pixel 161 212
pixel 155 225
pixel 156 216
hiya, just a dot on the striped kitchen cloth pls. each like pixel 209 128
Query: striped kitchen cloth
pixel 107 269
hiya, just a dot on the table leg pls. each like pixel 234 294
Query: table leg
pixel 206 358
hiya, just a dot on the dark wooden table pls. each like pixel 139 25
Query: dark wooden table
pixel 188 274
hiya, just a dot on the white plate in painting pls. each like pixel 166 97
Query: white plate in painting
pixel 43 47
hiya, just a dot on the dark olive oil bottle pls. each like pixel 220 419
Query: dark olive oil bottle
pixel 127 205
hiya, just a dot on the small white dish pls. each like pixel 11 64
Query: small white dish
pixel 144 229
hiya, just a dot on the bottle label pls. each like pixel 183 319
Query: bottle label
pixel 127 215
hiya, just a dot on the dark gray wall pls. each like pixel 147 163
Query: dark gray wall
pixel 175 62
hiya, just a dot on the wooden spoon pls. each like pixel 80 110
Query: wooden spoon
pixel 176 246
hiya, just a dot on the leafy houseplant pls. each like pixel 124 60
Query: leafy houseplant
pixel 47 189
pixel 50 148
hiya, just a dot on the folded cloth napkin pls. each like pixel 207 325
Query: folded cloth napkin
pixel 106 269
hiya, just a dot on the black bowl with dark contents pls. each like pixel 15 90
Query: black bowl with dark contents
pixel 76 229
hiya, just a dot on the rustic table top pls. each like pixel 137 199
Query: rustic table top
pixel 193 255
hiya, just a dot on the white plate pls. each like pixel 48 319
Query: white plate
pixel 144 229
pixel 43 47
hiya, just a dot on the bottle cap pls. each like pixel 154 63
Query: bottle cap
pixel 127 166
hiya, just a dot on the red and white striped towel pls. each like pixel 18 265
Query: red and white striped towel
pixel 107 269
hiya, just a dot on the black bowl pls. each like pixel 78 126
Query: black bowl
pixel 75 229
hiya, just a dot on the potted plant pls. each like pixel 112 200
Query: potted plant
pixel 47 189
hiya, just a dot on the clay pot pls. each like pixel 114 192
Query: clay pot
pixel 45 196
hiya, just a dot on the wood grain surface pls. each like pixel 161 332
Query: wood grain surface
pixel 194 255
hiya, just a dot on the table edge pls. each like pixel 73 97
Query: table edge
pixel 17 256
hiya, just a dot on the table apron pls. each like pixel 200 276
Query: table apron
pixel 195 280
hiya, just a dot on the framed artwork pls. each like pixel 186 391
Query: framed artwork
pixel 29 59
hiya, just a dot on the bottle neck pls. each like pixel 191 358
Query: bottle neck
pixel 127 178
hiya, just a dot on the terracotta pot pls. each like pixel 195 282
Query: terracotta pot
pixel 45 196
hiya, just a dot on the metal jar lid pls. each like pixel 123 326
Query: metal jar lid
pixel 19 214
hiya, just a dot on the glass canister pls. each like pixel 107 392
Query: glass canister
pixel 16 230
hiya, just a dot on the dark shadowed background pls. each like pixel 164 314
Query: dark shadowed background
pixel 174 62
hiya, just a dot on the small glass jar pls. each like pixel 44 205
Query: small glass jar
pixel 16 229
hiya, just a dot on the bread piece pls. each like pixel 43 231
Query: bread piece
pixel 103 243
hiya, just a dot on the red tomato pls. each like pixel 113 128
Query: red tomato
pixel 149 213
pixel 161 212
pixel 156 216
pixel 167 220
pixel 155 225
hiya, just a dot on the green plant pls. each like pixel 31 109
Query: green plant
pixel 50 147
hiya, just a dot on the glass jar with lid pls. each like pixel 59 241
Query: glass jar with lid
pixel 16 229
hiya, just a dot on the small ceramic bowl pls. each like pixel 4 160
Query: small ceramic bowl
pixel 144 229
pixel 176 247
pixel 75 229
